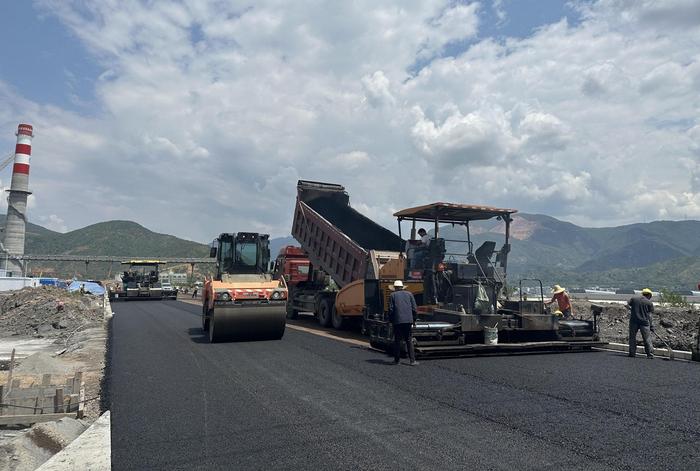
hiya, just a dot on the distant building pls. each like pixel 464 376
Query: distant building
pixel 174 278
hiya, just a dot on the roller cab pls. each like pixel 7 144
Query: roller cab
pixel 243 301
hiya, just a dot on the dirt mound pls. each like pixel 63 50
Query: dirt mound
pixel 679 326
pixel 47 311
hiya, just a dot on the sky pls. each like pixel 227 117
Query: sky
pixel 196 117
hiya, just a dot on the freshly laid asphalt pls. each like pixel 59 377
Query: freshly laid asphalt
pixel 309 402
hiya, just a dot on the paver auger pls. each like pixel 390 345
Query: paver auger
pixel 243 301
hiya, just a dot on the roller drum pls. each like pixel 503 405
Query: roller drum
pixel 241 322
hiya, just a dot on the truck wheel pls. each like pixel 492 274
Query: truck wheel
pixel 337 320
pixel 324 313
pixel 291 312
pixel 205 319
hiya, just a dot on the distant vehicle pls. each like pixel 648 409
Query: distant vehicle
pixel 169 291
pixel 139 281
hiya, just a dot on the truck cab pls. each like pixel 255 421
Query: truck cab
pixel 292 264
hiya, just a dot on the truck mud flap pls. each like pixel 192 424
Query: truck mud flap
pixel 252 322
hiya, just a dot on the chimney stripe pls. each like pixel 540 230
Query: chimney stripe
pixel 23 149
pixel 20 168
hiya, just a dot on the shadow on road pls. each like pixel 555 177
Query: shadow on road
pixel 197 335
pixel 378 361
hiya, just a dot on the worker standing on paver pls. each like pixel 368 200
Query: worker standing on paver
pixel 641 309
pixel 560 295
pixel 402 314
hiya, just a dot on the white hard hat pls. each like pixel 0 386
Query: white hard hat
pixel 398 284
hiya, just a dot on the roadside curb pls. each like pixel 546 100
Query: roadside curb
pixel 658 351
pixel 92 450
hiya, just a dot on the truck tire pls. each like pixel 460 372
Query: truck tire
pixel 325 313
pixel 291 312
pixel 337 320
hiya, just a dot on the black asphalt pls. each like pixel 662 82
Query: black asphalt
pixel 307 402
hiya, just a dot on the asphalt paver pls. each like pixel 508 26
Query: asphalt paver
pixel 310 402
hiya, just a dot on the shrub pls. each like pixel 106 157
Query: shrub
pixel 673 299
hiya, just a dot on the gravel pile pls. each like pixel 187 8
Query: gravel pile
pixel 47 312
pixel 679 326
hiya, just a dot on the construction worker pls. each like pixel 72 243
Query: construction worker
pixel 560 295
pixel 641 309
pixel 424 237
pixel 402 314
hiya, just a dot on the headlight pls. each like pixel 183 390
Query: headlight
pixel 276 295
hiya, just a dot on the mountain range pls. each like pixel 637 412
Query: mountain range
pixel 659 254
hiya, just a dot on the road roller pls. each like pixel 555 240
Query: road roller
pixel 242 301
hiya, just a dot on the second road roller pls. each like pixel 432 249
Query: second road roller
pixel 243 301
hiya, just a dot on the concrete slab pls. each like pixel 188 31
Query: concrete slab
pixel 91 451
pixel 25 347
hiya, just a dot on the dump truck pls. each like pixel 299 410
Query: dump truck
pixel 351 256
pixel 139 281
pixel 465 308
pixel 243 301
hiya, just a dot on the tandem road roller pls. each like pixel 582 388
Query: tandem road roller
pixel 243 301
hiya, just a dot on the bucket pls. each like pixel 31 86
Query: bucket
pixel 490 335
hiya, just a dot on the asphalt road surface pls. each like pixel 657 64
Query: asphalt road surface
pixel 309 402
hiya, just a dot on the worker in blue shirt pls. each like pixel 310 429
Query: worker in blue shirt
pixel 403 311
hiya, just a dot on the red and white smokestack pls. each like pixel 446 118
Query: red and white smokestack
pixel 23 152
pixel 16 220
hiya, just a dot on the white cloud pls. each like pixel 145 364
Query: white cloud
pixel 53 222
pixel 217 108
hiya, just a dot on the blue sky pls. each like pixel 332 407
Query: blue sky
pixel 43 60
pixel 59 70
pixel 222 106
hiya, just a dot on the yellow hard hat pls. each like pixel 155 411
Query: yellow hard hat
pixel 646 291
pixel 558 313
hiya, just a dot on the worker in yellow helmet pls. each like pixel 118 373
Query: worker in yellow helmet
pixel 641 308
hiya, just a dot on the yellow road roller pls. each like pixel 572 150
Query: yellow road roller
pixel 243 301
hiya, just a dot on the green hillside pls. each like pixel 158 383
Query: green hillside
pixel 116 238
pixel 659 254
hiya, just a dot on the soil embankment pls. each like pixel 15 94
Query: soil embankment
pixel 68 333
pixel 679 326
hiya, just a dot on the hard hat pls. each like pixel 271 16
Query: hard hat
pixel 556 289
pixel 398 284
pixel 647 291
pixel 558 313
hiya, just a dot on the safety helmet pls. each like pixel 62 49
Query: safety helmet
pixel 647 291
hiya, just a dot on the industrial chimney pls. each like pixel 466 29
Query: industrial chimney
pixel 16 221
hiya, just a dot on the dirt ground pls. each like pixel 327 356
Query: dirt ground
pixel 75 331
pixel 679 326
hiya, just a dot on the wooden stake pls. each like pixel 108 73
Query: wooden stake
pixel 58 401
pixel 81 403
pixel 9 375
